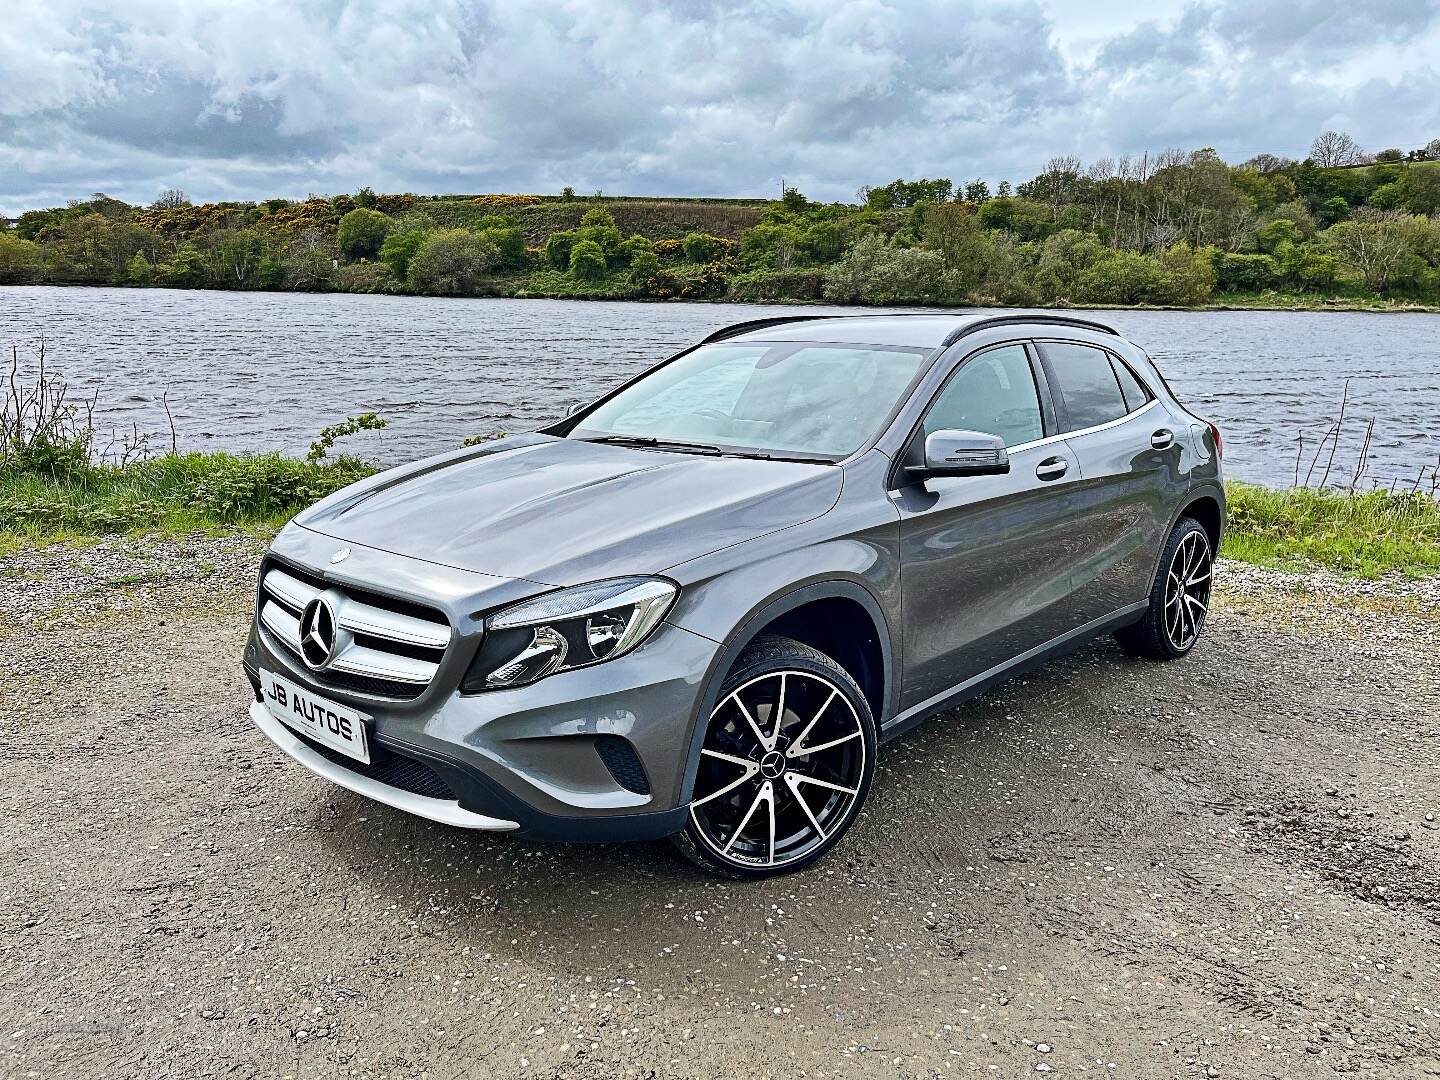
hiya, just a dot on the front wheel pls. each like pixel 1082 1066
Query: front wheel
pixel 1179 599
pixel 786 764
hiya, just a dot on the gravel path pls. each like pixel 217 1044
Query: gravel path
pixel 1226 866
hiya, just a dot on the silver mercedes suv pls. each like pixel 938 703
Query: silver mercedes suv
pixel 696 607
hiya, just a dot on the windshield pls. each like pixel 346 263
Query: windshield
pixel 802 399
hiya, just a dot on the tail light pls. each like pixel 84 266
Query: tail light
pixel 1219 442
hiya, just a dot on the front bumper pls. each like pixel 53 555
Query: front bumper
pixel 445 811
pixel 533 760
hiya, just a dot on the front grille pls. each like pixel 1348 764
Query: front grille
pixel 389 768
pixel 386 647
pixel 624 765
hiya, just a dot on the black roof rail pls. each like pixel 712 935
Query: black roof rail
pixel 1004 320
pixel 735 329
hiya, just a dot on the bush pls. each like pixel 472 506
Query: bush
pixel 558 246
pixel 587 260
pixel 361 233
pixel 509 245
pixel 1244 273
pixel 634 246
pixel 399 248
pixel 452 262
pixel 768 286
pixel 1120 277
pixel 697 247
pixel 644 265
pixel 872 273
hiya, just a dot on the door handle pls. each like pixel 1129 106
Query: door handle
pixel 1052 468
pixel 1162 439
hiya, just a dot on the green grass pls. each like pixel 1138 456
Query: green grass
pixel 170 494
pixel 1367 534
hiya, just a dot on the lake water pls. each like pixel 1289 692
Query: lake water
pixel 260 371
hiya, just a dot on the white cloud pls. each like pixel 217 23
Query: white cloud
pixel 696 97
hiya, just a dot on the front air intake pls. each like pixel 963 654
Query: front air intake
pixel 624 764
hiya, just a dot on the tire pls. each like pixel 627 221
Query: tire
pixel 1171 625
pixel 770 799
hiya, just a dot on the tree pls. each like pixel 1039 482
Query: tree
pixel 977 191
pixel 1265 164
pixel 170 199
pixel 139 271
pixel 361 233
pixel 1333 149
pixel 399 248
pixel 1392 154
pixel 452 262
pixel 793 201
pixel 1432 150
pixel 19 260
pixel 1375 243
pixel 587 261
pixel 366 197
pixel 307 262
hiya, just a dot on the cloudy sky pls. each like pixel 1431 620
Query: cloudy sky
pixel 230 100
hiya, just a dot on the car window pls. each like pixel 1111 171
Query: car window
pixel 1086 383
pixel 994 393
pixel 809 398
pixel 1133 389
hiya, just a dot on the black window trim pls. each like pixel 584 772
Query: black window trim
pixel 1062 415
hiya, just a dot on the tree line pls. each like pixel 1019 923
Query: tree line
pixel 1177 228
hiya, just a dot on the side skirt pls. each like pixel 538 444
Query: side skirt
pixel 1032 658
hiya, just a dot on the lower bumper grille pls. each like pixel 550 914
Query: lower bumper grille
pixel 389 768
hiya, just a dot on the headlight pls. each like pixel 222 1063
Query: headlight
pixel 568 629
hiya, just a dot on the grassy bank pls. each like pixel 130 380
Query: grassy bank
pixel 173 493
pixel 1367 534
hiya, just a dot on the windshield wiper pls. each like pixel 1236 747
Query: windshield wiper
pixel 766 455
pixel 649 442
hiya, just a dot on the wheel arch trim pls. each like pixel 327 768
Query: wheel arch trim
pixel 748 628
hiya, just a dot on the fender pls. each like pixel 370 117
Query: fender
pixel 1199 491
pixel 746 630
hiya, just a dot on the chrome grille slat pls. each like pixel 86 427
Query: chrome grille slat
pixel 390 625
pixel 282 624
pixel 290 592
pixel 284 597
pixel 358 660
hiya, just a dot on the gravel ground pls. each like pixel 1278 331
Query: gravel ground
pixel 1226 866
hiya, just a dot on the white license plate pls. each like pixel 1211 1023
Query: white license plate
pixel 316 717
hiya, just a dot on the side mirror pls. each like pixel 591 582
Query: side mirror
pixel 574 407
pixel 962 453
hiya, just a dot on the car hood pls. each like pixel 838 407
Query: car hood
pixel 564 512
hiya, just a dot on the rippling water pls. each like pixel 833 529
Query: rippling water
pixel 252 371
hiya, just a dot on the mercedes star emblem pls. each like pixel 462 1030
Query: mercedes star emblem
pixel 317 634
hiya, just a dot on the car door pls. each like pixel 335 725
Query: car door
pixel 1129 450
pixel 983 569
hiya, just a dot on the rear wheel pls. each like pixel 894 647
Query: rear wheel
pixel 1179 598
pixel 788 756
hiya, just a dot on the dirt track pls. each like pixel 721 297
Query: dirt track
pixel 1227 866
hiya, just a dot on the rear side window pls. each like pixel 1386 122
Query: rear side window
pixel 1086 383
pixel 1133 389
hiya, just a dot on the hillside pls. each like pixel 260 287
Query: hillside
pixel 1184 229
